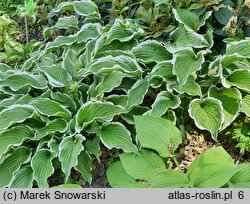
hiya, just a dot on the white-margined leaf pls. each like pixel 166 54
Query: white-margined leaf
pixel 246 105
pixel 14 137
pixel 12 163
pixel 238 78
pixel 207 115
pixel 69 149
pixel 23 178
pixel 158 134
pixel 20 80
pixel 163 101
pixel 15 114
pixel 42 166
pixel 190 19
pixel 56 76
pixel 151 51
pixel 60 41
pixel 103 111
pixel 186 62
pixel 231 102
pixel 137 92
pixel 92 146
pixel 83 8
pixel 84 166
pixel 242 48
pixel 57 125
pixel 48 107
pixel 69 62
pixel 88 31
pixel 115 135
pixel 190 87
pixel 145 166
pixel 62 23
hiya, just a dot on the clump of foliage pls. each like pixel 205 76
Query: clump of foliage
pixel 96 80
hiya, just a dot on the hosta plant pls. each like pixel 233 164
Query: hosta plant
pixel 108 84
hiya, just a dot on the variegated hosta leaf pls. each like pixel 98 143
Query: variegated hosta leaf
pixel 57 125
pixel 83 8
pixel 69 149
pixel 56 76
pixel 42 166
pixel 84 166
pixel 14 136
pixel 158 134
pixel 246 105
pixel 190 19
pixel 62 23
pixel 12 163
pixel 69 62
pixel 190 87
pixel 103 111
pixel 164 100
pixel 163 70
pixel 145 166
pixel 123 31
pixel 22 79
pixel 137 93
pixel 108 64
pixel 186 62
pixel 64 99
pixel 189 38
pixel 23 178
pixel 242 48
pixel 48 107
pixel 207 115
pixel 15 114
pixel 88 31
pixel 93 147
pixel 231 102
pixel 115 135
pixel 61 41
pixel 151 51
pixel 238 78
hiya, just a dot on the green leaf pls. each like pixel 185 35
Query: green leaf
pixel 211 175
pixel 186 62
pixel 170 179
pixel 137 93
pixel 23 178
pixel 204 111
pixel 68 185
pixel 93 147
pixel 231 102
pixel 21 80
pixel 118 177
pixel 164 100
pixel 242 178
pixel 57 125
pixel 62 23
pixel 145 166
pixel 246 105
pixel 15 114
pixel 48 107
pixel 69 149
pixel 91 111
pixel 115 135
pixel 28 6
pixel 61 41
pixel 88 31
pixel 42 166
pixel 223 15
pixel 151 51
pixel 158 134
pixel 222 158
pixel 189 19
pixel 14 137
pixel 12 163
pixel 84 166
pixel 56 76
pixel 238 78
